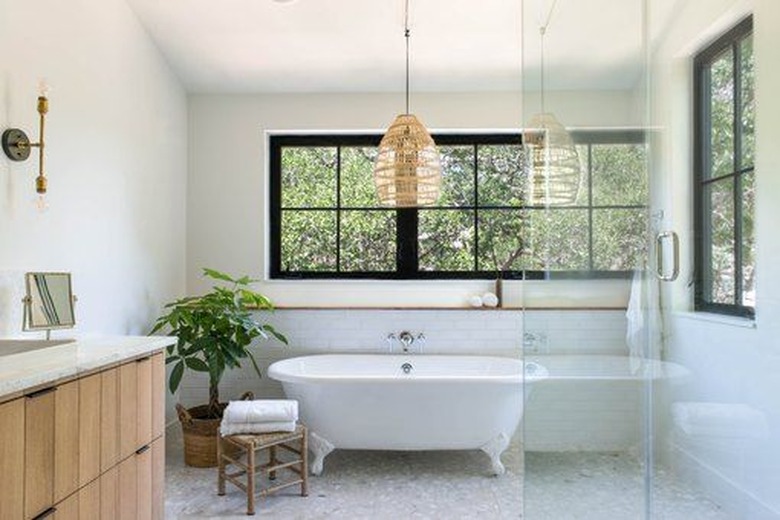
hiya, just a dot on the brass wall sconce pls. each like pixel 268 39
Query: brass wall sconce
pixel 17 145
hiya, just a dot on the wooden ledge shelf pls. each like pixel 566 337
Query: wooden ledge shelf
pixel 401 308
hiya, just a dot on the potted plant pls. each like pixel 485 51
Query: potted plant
pixel 214 332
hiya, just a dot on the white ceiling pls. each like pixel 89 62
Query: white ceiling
pixel 248 46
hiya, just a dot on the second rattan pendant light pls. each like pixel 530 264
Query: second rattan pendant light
pixel 407 171
pixel 554 173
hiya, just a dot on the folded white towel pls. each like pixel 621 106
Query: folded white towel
pixel 261 411
pixel 265 427
pixel 720 420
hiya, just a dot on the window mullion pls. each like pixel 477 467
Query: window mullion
pixel 737 64
pixel 407 261
pixel 338 209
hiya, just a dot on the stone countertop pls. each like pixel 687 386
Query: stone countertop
pixel 26 371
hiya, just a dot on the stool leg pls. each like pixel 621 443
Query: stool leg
pixel 250 481
pixel 304 465
pixel 221 466
pixel 272 462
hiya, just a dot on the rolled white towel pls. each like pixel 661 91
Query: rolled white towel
pixel 264 427
pixel 720 420
pixel 260 411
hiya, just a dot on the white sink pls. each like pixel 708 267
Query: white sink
pixel 20 346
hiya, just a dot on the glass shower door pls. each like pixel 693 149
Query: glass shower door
pixel 587 302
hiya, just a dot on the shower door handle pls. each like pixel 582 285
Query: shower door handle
pixel 659 256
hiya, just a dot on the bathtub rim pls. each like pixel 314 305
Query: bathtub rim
pixel 275 373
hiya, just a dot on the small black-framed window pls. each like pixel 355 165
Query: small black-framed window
pixel 724 174
pixel 326 221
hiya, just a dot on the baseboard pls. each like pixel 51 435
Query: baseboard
pixel 722 490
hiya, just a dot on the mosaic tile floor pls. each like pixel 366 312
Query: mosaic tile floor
pixel 443 485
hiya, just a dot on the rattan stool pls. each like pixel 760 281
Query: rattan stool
pixel 250 444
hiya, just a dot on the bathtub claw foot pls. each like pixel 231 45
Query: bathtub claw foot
pixel 320 447
pixel 494 448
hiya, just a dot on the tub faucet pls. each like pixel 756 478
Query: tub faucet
pixel 406 338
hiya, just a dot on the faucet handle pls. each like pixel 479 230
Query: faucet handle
pixel 391 338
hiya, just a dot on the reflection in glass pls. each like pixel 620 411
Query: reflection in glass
pixel 619 239
pixel 308 177
pixel 501 243
pixel 357 177
pixel 721 272
pixel 748 240
pixel 367 241
pixel 557 240
pixel 722 115
pixel 308 240
pixel 501 177
pixel 457 176
pixel 446 240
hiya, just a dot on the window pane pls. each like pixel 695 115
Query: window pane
pixel 500 240
pixel 748 241
pixel 457 171
pixel 557 240
pixel 722 115
pixel 308 177
pixel 748 102
pixel 357 177
pixel 619 174
pixel 721 220
pixel 446 240
pixel 618 239
pixel 308 240
pixel 501 177
pixel 368 240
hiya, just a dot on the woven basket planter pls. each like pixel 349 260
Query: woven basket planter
pixel 201 433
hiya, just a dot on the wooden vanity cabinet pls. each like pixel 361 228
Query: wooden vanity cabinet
pixel 12 430
pixel 87 448
pixel 39 457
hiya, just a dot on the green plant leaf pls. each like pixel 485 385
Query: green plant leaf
pixel 196 364
pixel 176 375
pixel 217 275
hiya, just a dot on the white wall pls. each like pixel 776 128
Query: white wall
pixel 731 361
pixel 116 159
pixel 227 212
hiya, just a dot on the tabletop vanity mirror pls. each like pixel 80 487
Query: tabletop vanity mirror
pixel 48 303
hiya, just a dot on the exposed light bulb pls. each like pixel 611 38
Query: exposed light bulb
pixel 41 203
pixel 43 88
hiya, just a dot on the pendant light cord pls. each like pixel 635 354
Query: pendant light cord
pixel 542 32
pixel 407 33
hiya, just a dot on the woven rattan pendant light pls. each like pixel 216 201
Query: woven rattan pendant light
pixel 554 173
pixel 407 171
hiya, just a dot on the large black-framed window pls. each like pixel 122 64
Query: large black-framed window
pixel 724 180
pixel 326 221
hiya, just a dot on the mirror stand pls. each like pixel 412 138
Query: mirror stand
pixel 49 303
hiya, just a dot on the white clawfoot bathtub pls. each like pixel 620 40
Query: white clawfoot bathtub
pixel 436 402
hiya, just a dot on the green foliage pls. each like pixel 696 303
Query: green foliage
pixel 718 195
pixel 511 237
pixel 215 330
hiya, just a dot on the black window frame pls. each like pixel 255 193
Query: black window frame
pixel 702 129
pixel 407 219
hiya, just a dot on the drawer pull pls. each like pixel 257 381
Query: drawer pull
pixel 141 360
pixel 142 450
pixel 46 513
pixel 40 393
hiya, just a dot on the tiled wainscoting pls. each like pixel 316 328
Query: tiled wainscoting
pixel 561 415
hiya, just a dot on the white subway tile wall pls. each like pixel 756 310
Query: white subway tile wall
pixel 561 416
